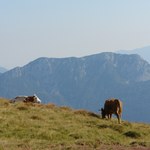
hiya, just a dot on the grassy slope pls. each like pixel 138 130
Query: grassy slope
pixel 35 126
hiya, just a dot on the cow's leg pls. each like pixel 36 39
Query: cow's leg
pixel 110 116
pixel 118 117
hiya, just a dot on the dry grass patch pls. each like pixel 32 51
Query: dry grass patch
pixel 4 102
pixel 51 106
pixel 65 108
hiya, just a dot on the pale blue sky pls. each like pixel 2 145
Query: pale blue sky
pixel 60 28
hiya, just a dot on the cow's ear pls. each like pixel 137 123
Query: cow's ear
pixel 102 109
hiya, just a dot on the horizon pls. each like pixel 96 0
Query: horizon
pixel 31 29
pixel 115 51
pixel 76 56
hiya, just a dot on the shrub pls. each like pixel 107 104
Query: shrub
pixel 132 134
pixel 34 117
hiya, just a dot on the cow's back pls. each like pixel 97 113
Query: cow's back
pixel 113 106
pixel 18 99
pixel 30 99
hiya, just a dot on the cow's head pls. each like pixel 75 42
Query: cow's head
pixel 37 99
pixel 103 113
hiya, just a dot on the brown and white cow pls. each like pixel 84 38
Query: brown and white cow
pixel 33 99
pixel 112 106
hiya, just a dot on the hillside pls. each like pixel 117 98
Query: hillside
pixel 85 82
pixel 39 126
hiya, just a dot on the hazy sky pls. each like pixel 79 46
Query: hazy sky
pixel 59 28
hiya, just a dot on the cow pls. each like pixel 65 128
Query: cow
pixel 33 99
pixel 112 106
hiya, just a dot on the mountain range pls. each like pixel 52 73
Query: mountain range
pixel 85 83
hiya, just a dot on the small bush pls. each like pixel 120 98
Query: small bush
pixel 35 117
pixel 132 134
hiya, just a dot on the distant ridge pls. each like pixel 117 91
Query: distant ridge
pixel 2 69
pixel 85 82
pixel 143 52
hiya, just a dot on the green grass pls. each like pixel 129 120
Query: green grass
pixel 37 127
